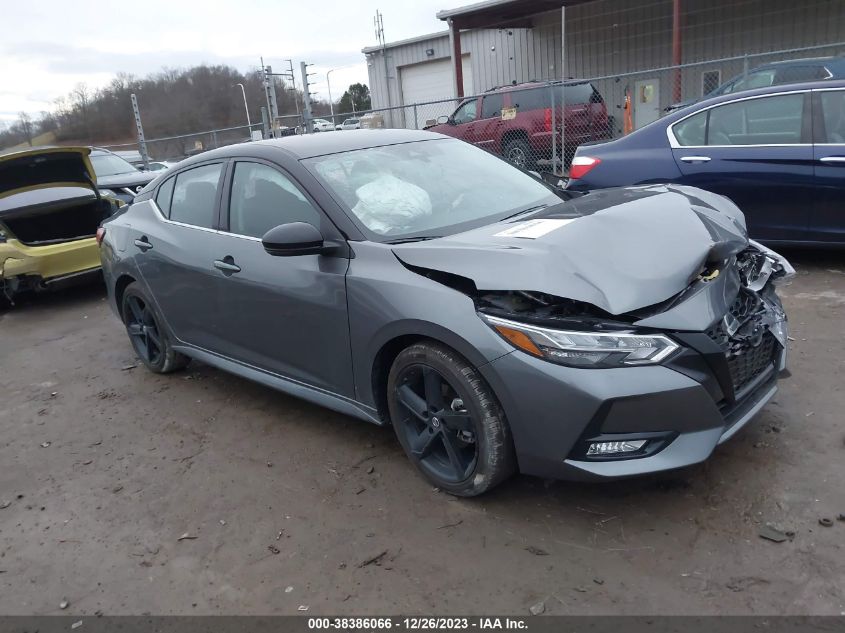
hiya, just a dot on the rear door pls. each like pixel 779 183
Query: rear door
pixel 828 218
pixel 758 152
pixel 172 247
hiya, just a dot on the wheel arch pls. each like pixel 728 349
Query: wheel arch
pixel 119 288
pixel 399 336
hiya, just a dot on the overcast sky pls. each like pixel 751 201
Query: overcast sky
pixel 48 46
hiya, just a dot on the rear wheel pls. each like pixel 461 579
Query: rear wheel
pixel 150 340
pixel 448 421
pixel 518 152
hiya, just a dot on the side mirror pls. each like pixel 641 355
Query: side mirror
pixel 444 119
pixel 294 238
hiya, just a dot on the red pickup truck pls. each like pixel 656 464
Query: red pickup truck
pixel 516 121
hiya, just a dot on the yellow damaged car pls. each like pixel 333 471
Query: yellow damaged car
pixel 50 210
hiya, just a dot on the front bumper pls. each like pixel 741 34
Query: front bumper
pixel 553 411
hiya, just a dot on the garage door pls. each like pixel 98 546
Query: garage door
pixel 430 81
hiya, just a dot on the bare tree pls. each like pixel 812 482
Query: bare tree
pixel 26 126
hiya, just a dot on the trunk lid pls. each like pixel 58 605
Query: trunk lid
pixel 46 167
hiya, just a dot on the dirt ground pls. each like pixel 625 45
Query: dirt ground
pixel 283 503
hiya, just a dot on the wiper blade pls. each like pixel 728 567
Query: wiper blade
pixel 420 238
pixel 524 211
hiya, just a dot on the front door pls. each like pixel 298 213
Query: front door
pixel 757 152
pixel 827 223
pixel 646 102
pixel 285 315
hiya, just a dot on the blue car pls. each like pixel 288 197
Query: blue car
pixel 778 153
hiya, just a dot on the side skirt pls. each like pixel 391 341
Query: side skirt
pixel 286 385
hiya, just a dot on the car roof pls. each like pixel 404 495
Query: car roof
pixel 805 61
pixel 536 84
pixel 310 145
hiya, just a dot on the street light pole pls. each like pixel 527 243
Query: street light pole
pixel 329 85
pixel 246 107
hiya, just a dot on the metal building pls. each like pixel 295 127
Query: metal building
pixel 613 41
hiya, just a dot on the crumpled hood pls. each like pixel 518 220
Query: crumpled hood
pixel 618 249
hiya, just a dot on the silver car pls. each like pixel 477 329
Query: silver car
pixel 498 324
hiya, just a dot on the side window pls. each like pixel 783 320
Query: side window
pixel 491 105
pixel 524 100
pixel 466 112
pixel 165 195
pixel 577 94
pixel 691 131
pixel 833 112
pixel 195 196
pixel 793 74
pixel 263 198
pixel 767 121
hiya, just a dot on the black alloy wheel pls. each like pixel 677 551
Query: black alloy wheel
pixel 143 330
pixel 437 426
pixel 448 421
pixel 149 339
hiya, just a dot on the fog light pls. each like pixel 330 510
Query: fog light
pixel 615 448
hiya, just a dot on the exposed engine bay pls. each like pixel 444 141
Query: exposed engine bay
pixel 755 310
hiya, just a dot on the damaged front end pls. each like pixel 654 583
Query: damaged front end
pixel 729 315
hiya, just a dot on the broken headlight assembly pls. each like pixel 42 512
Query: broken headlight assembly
pixel 584 348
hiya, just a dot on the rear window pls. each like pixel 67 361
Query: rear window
pixel 541 98
pixel 795 74
pixel 164 195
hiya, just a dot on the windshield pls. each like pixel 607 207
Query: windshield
pixel 427 188
pixel 110 165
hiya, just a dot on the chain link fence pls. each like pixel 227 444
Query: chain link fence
pixel 175 148
pixel 539 125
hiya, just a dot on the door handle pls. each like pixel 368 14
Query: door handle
pixel 695 159
pixel 832 159
pixel 227 266
pixel 143 244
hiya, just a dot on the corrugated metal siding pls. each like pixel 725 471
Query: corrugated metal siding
pixel 607 37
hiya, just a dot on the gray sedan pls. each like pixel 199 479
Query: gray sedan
pixel 498 324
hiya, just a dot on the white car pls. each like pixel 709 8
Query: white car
pixel 350 124
pixel 160 165
pixel 321 125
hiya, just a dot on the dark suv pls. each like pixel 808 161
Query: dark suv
pixel 776 74
pixel 516 121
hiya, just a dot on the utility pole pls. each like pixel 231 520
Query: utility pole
pixel 270 93
pixel 292 77
pixel 142 142
pixel 378 22
pixel 306 98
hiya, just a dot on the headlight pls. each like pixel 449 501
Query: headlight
pixel 584 349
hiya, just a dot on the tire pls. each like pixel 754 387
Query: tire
pixel 149 339
pixel 519 153
pixel 461 444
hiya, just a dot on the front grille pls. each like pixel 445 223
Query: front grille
pixel 747 362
